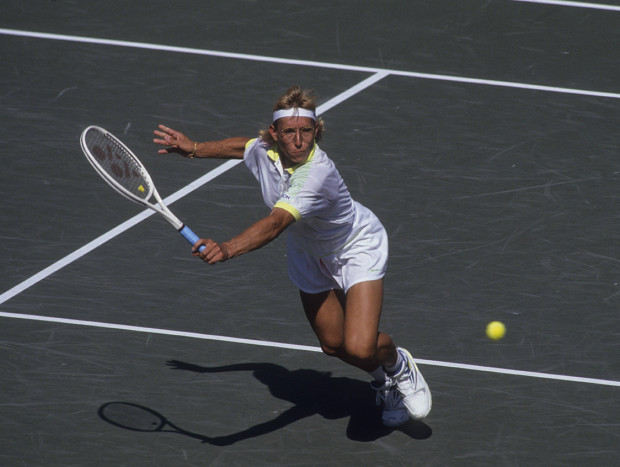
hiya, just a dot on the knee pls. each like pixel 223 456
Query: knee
pixel 355 351
pixel 332 350
pixel 360 351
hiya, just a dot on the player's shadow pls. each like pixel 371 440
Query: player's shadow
pixel 313 393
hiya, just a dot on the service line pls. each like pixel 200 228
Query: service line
pixel 307 348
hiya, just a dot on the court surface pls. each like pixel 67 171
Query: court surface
pixel 484 134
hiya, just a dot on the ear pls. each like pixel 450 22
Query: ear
pixel 273 132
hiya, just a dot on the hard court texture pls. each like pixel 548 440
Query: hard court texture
pixel 484 134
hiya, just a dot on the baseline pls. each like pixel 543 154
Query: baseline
pixel 335 66
pixel 594 6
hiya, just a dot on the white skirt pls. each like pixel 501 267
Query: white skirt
pixel 362 258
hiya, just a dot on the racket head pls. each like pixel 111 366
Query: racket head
pixel 132 417
pixel 117 164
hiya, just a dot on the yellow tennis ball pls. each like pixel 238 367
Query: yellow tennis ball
pixel 141 188
pixel 496 330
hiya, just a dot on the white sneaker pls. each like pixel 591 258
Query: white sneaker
pixel 415 393
pixel 394 410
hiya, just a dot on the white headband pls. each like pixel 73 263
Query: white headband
pixel 294 112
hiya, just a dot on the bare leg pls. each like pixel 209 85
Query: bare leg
pixel 348 326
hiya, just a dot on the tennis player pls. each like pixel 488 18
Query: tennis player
pixel 337 248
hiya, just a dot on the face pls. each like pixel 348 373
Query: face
pixel 295 138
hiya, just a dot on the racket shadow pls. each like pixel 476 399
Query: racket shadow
pixel 136 417
pixel 312 393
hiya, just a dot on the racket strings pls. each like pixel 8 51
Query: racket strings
pixel 118 163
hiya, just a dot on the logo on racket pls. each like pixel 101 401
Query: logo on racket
pixel 117 164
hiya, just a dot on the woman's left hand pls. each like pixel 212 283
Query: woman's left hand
pixel 174 141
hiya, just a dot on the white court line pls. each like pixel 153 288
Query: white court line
pixel 307 348
pixel 335 66
pixel 333 102
pixel 595 6
pixel 77 254
pixel 166 332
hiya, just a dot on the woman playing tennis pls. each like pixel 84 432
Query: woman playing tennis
pixel 337 248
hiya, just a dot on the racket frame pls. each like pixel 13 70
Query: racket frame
pixel 159 208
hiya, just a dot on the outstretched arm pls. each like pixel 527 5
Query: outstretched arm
pixel 175 141
pixel 257 235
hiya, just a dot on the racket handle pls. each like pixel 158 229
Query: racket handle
pixel 190 236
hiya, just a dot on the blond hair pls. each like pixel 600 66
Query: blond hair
pixel 295 97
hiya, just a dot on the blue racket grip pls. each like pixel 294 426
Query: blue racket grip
pixel 190 236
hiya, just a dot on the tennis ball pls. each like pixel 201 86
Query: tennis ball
pixel 496 330
pixel 141 188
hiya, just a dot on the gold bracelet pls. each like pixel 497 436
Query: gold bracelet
pixel 193 153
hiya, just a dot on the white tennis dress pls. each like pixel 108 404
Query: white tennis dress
pixel 335 242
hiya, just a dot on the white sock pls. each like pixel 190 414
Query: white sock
pixel 391 370
pixel 378 374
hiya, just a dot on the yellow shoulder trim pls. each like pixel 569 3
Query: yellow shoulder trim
pixel 272 152
pixel 247 145
pixel 289 208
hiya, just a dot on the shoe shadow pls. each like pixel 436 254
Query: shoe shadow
pixel 312 393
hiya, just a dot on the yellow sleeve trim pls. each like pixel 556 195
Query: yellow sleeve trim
pixel 247 145
pixel 289 208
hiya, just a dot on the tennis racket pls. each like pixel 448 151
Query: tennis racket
pixel 124 172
